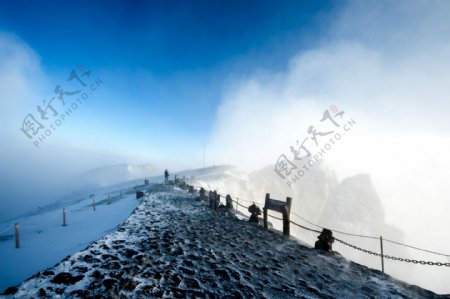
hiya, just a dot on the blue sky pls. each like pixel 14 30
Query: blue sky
pixel 164 37
pixel 165 68
pixel 164 63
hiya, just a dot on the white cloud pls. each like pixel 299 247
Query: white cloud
pixel 387 64
pixel 31 176
pixel 20 71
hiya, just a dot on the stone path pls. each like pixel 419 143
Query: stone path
pixel 172 246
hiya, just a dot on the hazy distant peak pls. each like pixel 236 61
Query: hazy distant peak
pixel 117 173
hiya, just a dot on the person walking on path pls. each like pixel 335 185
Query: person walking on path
pixel 166 176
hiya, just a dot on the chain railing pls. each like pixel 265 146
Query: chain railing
pixel 381 255
pixel 394 258
pixel 106 197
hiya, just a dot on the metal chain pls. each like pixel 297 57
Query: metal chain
pixel 362 236
pixel 358 248
pixel 244 200
pixel 335 231
pixel 394 258
pixel 304 227
pixel 240 205
pixel 416 248
pixel 274 217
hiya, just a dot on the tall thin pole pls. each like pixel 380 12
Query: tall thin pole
pixel 17 235
pixel 382 254
pixel 64 217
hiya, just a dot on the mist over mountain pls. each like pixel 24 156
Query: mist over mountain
pixel 114 174
pixel 351 205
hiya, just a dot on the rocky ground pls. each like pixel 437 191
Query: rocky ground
pixel 172 246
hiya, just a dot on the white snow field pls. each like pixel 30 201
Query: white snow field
pixel 173 246
pixel 44 241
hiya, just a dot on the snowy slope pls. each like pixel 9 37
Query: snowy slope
pixel 351 205
pixel 339 202
pixel 43 239
pixel 175 247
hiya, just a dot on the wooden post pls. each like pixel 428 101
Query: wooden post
pixel 289 203
pixel 17 235
pixel 93 203
pixel 280 207
pixel 382 254
pixel 216 201
pixel 109 198
pixel 237 203
pixel 266 204
pixel 202 194
pixel 286 217
pixel 229 201
pixel 64 217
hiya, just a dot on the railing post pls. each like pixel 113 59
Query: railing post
pixel 64 217
pixel 382 254
pixel 17 235
pixel 286 217
pixel 266 226
pixel 229 201
pixel 289 203
pixel 213 200
pixel 216 200
pixel 202 194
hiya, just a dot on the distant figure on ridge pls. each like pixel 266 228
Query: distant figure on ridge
pixel 166 176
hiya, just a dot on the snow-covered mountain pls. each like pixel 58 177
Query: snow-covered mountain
pixel 114 174
pixel 351 205
pixel 173 246
pixel 224 178
pixel 354 206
